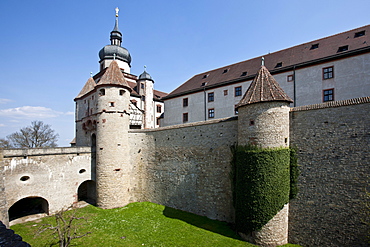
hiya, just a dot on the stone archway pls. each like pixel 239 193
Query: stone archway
pixel 28 206
pixel 87 192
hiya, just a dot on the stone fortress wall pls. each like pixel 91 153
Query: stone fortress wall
pixel 188 167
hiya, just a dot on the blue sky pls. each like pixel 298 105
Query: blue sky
pixel 48 48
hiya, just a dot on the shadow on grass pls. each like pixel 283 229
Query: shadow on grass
pixel 219 227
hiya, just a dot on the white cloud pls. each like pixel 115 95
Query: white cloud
pixel 2 125
pixel 4 101
pixel 31 112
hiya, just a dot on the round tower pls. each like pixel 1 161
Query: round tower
pixel 263 122
pixel 145 90
pixel 112 150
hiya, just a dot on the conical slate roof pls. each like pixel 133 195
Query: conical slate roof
pixel 114 76
pixel 264 88
pixel 89 86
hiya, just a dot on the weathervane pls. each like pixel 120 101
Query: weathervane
pixel 117 9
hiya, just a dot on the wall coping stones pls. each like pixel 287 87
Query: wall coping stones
pixel 8 153
pixel 186 125
pixel 332 104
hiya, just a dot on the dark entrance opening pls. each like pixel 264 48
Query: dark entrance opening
pixel 87 192
pixel 28 206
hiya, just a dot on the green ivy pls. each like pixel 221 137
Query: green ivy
pixel 262 184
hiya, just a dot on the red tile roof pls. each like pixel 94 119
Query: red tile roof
pixel 298 56
pixel 264 88
pixel 113 75
pixel 89 86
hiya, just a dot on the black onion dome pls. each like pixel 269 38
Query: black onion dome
pixel 111 51
pixel 145 76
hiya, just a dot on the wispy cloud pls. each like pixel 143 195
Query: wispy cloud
pixel 5 101
pixel 31 112
pixel 2 125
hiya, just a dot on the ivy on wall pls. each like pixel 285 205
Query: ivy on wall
pixel 263 184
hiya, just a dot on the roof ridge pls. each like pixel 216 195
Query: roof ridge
pixel 87 88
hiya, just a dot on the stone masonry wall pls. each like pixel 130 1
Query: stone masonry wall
pixel 186 167
pixel 54 174
pixel 334 160
pixel 3 202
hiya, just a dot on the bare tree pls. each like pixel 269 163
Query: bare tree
pixel 4 143
pixel 65 228
pixel 36 135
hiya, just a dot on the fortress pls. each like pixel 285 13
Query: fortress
pixel 188 166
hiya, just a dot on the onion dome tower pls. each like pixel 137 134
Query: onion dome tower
pixel 263 121
pixel 115 51
pixel 145 85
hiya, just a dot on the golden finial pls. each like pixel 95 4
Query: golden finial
pixel 117 9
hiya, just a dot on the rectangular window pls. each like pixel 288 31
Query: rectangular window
pixel 290 78
pixel 142 85
pixel 343 48
pixel 185 102
pixel 328 73
pixel 158 120
pixel 238 91
pixel 211 97
pixel 328 95
pixel 225 92
pixel 211 113
pixel 360 34
pixel 314 46
pixel 185 117
pixel 159 108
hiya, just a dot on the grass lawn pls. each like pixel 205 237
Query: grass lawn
pixel 139 224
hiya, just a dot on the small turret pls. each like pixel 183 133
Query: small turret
pixel 145 89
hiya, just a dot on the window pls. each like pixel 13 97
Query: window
pixel 143 97
pixel 121 92
pixel 225 71
pixel 244 73
pixel 290 78
pixel 205 76
pixel 111 104
pixel 101 92
pixel 328 95
pixel 328 73
pixel 142 85
pixel 185 102
pixel 278 65
pixel 211 97
pixel 211 113
pixel 238 91
pixel 343 48
pixel 159 108
pixel 158 121
pixel 185 117
pixel 359 34
pixel 225 92
pixel 314 46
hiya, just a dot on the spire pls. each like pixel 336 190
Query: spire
pixel 264 88
pixel 116 35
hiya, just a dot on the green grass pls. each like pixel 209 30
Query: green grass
pixel 139 224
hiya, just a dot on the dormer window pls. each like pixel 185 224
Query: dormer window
pixel 343 48
pixel 225 71
pixel 279 65
pixel 205 76
pixel 244 73
pixel 360 34
pixel 314 46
